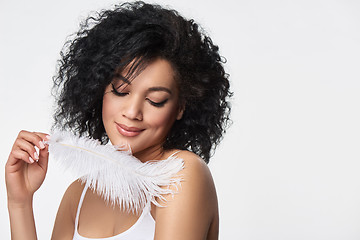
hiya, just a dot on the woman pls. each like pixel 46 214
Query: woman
pixel 143 75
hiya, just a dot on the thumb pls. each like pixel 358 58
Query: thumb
pixel 44 152
pixel 44 157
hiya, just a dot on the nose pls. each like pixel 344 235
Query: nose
pixel 132 109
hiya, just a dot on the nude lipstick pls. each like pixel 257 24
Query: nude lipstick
pixel 128 131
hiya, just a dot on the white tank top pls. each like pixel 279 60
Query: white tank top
pixel 143 229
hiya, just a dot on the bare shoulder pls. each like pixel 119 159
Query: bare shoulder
pixel 72 196
pixel 196 176
pixel 192 212
pixel 74 190
pixel 195 170
pixel 65 218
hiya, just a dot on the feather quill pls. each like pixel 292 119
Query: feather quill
pixel 115 174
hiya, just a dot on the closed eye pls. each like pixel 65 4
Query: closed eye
pixel 122 94
pixel 116 92
pixel 157 104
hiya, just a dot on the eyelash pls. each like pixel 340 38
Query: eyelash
pixel 158 104
pixel 116 92
pixel 121 94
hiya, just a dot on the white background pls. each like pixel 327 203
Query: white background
pixel 288 167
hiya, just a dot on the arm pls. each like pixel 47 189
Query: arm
pixel 22 222
pixel 24 173
pixel 192 213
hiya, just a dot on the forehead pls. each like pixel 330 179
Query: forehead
pixel 157 73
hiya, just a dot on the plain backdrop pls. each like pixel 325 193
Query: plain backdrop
pixel 288 168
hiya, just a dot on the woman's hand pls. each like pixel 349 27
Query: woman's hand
pixel 25 170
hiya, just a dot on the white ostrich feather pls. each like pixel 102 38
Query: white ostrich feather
pixel 115 174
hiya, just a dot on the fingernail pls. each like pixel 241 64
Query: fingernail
pixel 36 155
pixel 42 146
pixel 47 137
pixel 31 160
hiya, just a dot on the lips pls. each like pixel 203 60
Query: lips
pixel 128 131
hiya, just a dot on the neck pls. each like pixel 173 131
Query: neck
pixel 153 153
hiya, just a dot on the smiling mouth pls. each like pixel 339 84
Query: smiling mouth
pixel 128 131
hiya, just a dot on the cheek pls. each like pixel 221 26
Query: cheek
pixel 107 107
pixel 163 118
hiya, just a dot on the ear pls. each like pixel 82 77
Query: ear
pixel 180 112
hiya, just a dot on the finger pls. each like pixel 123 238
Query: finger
pixel 21 155
pixel 34 138
pixel 43 136
pixel 23 145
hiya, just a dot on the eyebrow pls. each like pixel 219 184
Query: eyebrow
pixel 154 89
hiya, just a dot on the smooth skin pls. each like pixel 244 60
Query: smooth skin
pixel 192 213
pixel 25 171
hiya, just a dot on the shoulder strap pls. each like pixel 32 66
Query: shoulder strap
pixel 79 206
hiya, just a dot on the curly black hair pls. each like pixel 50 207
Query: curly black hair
pixel 111 40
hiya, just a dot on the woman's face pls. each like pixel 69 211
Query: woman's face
pixel 141 113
